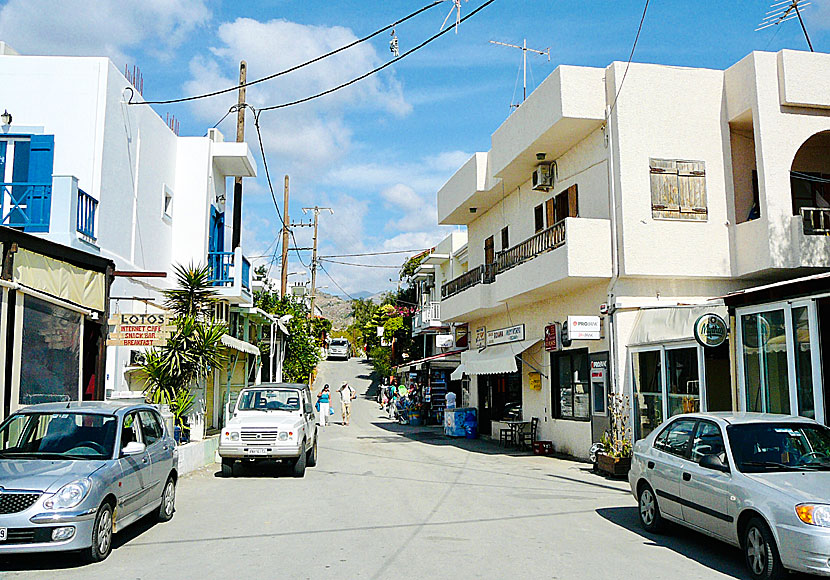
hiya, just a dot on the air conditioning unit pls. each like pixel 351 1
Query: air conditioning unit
pixel 543 177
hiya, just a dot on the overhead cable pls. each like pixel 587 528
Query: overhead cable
pixel 630 56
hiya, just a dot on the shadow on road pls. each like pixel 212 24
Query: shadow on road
pixel 434 435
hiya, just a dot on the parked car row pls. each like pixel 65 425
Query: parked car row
pixel 757 481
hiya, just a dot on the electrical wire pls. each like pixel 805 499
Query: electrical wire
pixel 357 265
pixel 323 268
pixel 630 56
pixel 375 253
pixel 293 68
pixel 378 69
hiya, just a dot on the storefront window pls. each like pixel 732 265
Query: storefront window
pixel 571 389
pixel 50 362
pixel 648 391
pixel 803 362
pixel 765 362
pixel 683 380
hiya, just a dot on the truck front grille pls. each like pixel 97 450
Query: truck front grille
pixel 259 435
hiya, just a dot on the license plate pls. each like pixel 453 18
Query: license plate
pixel 3 534
pixel 257 452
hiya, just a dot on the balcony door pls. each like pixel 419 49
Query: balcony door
pixel 26 182
pixel 216 244
pixel 489 251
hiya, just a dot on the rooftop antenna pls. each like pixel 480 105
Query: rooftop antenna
pixel 784 10
pixel 457 9
pixel 524 50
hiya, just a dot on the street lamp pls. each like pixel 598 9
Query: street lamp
pixel 6 118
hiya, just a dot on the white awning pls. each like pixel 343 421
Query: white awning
pixel 495 360
pixel 239 345
pixel 458 373
pixel 659 325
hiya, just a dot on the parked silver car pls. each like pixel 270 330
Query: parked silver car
pixel 339 348
pixel 757 481
pixel 74 473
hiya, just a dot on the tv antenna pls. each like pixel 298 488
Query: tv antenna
pixel 457 9
pixel 524 50
pixel 784 10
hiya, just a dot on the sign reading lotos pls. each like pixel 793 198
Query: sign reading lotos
pixel 139 329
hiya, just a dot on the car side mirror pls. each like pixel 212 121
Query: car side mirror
pixel 133 448
pixel 713 462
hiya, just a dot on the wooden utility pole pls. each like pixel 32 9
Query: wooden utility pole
pixel 240 137
pixel 286 222
pixel 316 210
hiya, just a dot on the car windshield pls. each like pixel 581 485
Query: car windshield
pixel 339 343
pixel 58 436
pixel 269 400
pixel 762 447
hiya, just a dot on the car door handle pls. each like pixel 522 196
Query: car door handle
pixel 144 460
pixel 651 465
pixel 687 476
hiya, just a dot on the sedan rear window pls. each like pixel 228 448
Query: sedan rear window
pixel 58 436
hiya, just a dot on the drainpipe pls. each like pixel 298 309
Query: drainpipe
pixel 615 258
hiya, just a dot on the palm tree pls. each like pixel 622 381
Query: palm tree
pixel 194 296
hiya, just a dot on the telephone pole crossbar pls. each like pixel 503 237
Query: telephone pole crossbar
pixel 314 260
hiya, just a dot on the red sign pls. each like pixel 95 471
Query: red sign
pixel 552 337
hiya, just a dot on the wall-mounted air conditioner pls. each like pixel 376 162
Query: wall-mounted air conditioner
pixel 543 177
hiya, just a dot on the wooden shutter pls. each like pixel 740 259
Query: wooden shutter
pixel 538 211
pixel 573 201
pixel 664 195
pixel 561 206
pixel 489 251
pixel 550 210
pixel 691 187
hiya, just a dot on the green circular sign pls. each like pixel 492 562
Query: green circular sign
pixel 710 330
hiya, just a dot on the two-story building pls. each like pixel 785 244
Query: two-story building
pixel 622 214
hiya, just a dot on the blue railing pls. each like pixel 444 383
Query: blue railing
pixel 220 264
pixel 87 206
pixel 246 273
pixel 29 205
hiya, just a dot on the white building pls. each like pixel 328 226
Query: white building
pixel 82 166
pixel 647 204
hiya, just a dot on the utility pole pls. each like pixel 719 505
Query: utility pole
pixel 316 211
pixel 524 50
pixel 240 137
pixel 285 231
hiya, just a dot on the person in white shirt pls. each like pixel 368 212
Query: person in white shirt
pixel 450 400
pixel 347 393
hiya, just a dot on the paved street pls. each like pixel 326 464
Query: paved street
pixel 396 502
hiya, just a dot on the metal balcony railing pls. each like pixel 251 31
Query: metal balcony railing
pixel 29 205
pixel 538 244
pixel 87 206
pixel 429 315
pixel 223 271
pixel 816 221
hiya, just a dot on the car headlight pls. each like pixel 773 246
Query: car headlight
pixel 231 436
pixel 814 514
pixel 70 495
pixel 283 436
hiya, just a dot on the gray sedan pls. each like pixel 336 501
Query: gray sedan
pixel 757 481
pixel 74 473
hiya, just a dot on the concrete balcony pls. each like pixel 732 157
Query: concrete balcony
pixel 571 254
pixel 428 319
pixel 231 276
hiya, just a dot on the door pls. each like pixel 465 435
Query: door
pixel 666 462
pixel 489 251
pixel 159 450
pixel 600 418
pixel 485 405
pixel 134 469
pixel 309 418
pixel 706 492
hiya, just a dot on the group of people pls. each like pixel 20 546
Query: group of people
pixel 347 395
pixel 393 397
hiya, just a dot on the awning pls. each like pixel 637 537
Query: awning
pixel 458 373
pixel 495 360
pixel 239 345
pixel 673 323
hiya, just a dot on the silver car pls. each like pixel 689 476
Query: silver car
pixel 757 481
pixel 74 473
pixel 339 348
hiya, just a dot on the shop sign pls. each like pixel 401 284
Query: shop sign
pixel 710 330
pixel 139 330
pixel 583 328
pixel 443 340
pixel 535 381
pixel 552 343
pixel 598 368
pixel 481 336
pixel 514 333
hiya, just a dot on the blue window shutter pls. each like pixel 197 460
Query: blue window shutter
pixel 41 163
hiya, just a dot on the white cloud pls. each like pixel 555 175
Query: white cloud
pixel 100 27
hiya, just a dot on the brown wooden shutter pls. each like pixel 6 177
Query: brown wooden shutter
pixel 573 201
pixel 664 194
pixel 489 250
pixel 691 187
pixel 550 210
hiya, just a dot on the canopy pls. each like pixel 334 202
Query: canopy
pixel 495 360
pixel 239 345
pixel 659 325
pixel 458 373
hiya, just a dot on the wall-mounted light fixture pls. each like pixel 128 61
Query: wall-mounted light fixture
pixel 220 198
pixel 6 118
pixel 541 156
pixel 473 209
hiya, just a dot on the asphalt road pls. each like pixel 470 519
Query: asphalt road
pixel 387 501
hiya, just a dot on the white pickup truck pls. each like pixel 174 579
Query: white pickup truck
pixel 273 421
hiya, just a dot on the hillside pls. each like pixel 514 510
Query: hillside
pixel 336 309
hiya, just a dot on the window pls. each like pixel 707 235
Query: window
pixel 151 427
pixel 708 441
pixel 765 362
pixel 564 205
pixel 505 238
pixel 571 386
pixel 130 430
pixel 167 203
pixel 648 391
pixel 678 189
pixel 683 380
pixel 676 437
pixel 539 218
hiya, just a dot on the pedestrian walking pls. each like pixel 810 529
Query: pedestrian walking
pixel 324 405
pixel 347 393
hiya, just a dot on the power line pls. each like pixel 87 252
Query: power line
pixel 296 67
pixel 323 268
pixel 378 69
pixel 358 265
pixel 375 253
pixel 630 56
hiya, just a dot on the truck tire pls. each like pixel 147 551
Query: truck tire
pixel 311 460
pixel 298 469
pixel 227 467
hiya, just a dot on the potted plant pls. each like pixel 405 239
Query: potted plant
pixel 615 456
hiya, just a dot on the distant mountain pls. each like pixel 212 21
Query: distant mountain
pixel 361 294
pixel 336 309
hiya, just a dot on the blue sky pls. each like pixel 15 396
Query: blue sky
pixel 377 152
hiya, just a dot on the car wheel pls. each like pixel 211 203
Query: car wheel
pixel 298 469
pixel 760 551
pixel 228 467
pixel 311 460
pixel 168 501
pixel 101 535
pixel 649 511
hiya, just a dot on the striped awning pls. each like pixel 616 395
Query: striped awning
pixel 239 345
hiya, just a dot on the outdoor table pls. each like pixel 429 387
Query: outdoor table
pixel 516 427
